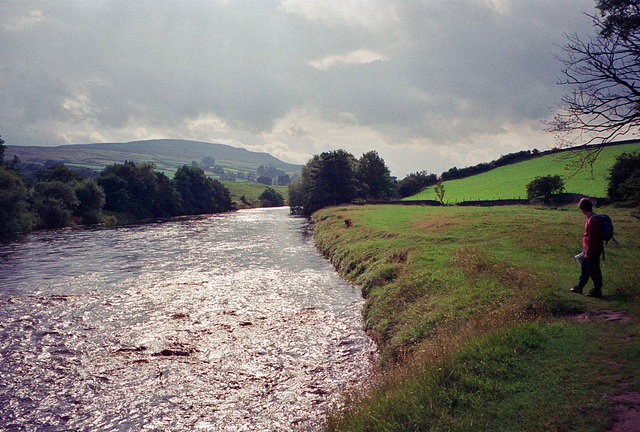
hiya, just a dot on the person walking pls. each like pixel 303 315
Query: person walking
pixel 592 249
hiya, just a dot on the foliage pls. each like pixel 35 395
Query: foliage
pixel 415 182
pixel 468 308
pixel 439 188
pixel 14 218
pixel 270 171
pixel 2 149
pixel 373 177
pixel 62 197
pixel 251 193
pixel 336 177
pixel 544 187
pixel 265 180
pixel 604 76
pixel 130 188
pixel 90 202
pixel 207 162
pixel 140 191
pixel 624 181
pixel 284 179
pixel 200 194
pixel 327 179
pixel 271 198
pixel 59 172
pixel 511 158
pixel 55 203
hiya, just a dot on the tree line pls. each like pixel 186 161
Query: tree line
pixel 123 192
pixel 337 177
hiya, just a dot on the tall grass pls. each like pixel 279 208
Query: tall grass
pixel 469 309
pixel 510 181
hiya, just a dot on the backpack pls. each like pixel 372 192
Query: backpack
pixel 607 228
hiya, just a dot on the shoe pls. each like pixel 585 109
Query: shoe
pixel 576 290
pixel 594 294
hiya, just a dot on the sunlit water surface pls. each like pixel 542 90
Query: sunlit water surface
pixel 226 323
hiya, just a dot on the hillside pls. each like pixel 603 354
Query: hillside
pixel 168 155
pixel 510 181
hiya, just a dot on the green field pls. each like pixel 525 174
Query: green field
pixel 475 326
pixel 251 192
pixel 510 181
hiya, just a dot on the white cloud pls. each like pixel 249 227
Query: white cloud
pixel 22 21
pixel 357 57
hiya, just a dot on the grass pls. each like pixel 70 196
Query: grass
pixel 251 192
pixel 469 308
pixel 510 181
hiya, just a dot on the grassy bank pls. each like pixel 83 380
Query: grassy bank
pixel 474 322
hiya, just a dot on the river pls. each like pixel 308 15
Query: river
pixel 231 322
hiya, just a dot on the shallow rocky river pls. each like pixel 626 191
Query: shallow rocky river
pixel 224 323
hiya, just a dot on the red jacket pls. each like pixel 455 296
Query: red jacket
pixel 592 239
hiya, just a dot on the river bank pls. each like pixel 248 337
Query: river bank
pixel 474 323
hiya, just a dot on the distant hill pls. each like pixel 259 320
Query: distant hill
pixel 509 181
pixel 167 154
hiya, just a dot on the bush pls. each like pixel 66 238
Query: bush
pixel 271 198
pixel 543 187
pixel 624 180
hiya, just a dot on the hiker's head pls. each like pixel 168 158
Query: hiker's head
pixel 585 205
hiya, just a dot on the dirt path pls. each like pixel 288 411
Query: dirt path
pixel 626 405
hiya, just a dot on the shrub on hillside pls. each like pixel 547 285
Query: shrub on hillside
pixel 624 180
pixel 544 187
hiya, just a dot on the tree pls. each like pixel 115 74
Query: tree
pixel 265 180
pixel 544 187
pixel 14 217
pixel 59 172
pixel 624 179
pixel 207 162
pixel 604 73
pixel 55 203
pixel 271 198
pixel 130 188
pixel 200 194
pixel 327 179
pixel 439 189
pixel 284 179
pixel 415 182
pixel 90 202
pixel 373 177
pixel 2 149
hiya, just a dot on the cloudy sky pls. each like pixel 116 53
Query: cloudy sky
pixel 429 84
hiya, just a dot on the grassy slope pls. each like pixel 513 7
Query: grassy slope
pixel 468 308
pixel 510 181
pixel 252 191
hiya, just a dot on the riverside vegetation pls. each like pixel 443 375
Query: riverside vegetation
pixel 474 322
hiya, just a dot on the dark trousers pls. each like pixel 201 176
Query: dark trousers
pixel 591 269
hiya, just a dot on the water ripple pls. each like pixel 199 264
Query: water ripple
pixel 224 323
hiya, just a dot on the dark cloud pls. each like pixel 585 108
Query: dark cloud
pixel 408 75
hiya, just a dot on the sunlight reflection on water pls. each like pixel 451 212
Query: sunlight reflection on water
pixel 225 323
